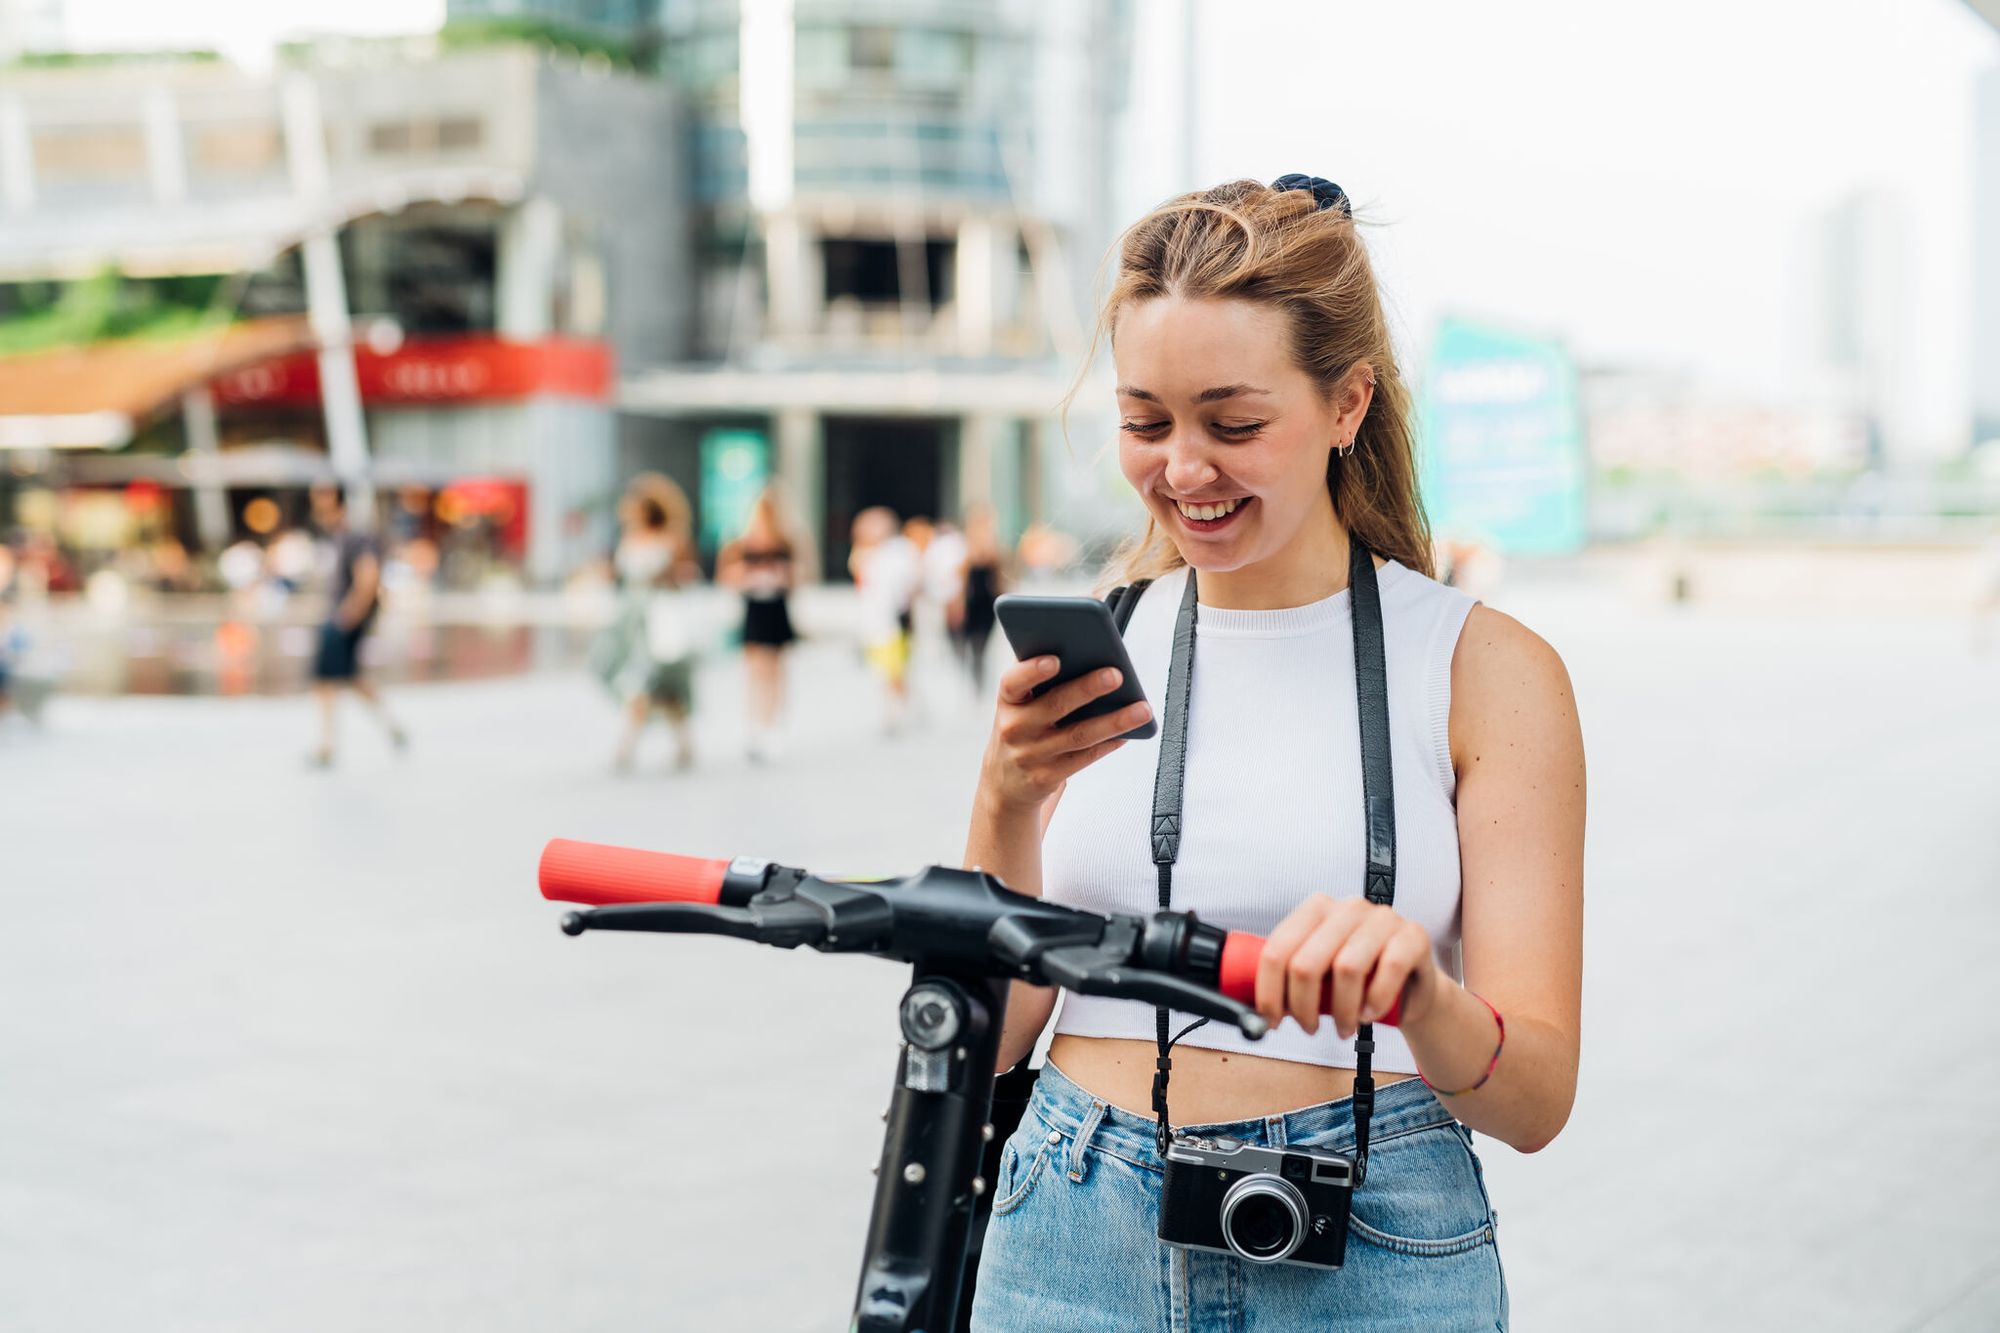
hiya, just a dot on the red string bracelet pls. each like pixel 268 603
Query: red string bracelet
pixel 1489 1064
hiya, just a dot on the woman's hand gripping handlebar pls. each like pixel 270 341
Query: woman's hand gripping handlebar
pixel 937 915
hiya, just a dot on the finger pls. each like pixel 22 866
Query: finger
pixel 1018 682
pixel 1083 759
pixel 1071 695
pixel 1401 957
pixel 1097 730
pixel 1279 946
pixel 1306 975
pixel 1360 955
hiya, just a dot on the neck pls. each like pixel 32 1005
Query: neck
pixel 1312 566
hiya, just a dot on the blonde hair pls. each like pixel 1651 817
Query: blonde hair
pixel 1246 241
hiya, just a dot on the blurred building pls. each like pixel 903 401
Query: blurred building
pixel 899 208
pixel 1986 255
pixel 434 261
pixel 1861 319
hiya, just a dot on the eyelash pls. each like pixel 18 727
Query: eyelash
pixel 1144 429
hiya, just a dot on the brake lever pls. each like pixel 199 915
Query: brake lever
pixel 1090 971
pixel 786 923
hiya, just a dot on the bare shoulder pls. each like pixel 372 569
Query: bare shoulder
pixel 1506 682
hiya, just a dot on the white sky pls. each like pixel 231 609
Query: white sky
pixel 1638 178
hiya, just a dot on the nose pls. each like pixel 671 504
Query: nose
pixel 1188 467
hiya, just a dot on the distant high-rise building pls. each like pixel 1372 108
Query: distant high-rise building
pixel 1986 258
pixel 1863 342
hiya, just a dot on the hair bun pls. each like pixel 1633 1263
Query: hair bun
pixel 1324 192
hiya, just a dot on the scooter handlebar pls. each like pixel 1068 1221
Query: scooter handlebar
pixel 1240 955
pixel 599 875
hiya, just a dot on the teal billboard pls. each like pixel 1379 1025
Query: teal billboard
pixel 735 467
pixel 1503 446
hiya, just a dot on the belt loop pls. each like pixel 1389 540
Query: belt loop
pixel 1274 1129
pixel 1091 1120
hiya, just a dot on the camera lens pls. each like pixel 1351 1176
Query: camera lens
pixel 1263 1218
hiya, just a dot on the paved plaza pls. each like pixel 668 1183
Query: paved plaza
pixel 293 1050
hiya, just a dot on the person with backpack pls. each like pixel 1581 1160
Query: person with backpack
pixel 1378 772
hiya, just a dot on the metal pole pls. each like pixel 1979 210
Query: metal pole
pixel 326 298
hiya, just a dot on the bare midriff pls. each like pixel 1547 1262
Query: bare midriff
pixel 1207 1087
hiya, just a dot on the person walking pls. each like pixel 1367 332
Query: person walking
pixel 356 601
pixel 1269 433
pixel 981 580
pixel 765 564
pixel 884 566
pixel 646 655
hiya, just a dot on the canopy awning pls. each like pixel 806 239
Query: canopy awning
pixel 95 397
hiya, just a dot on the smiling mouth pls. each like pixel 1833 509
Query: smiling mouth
pixel 1209 517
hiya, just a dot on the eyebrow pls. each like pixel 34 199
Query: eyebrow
pixel 1205 396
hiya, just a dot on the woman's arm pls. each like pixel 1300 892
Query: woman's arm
pixel 1028 759
pixel 1008 843
pixel 1518 751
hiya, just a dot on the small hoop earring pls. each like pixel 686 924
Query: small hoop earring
pixel 1344 448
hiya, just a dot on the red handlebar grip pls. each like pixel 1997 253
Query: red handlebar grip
pixel 597 874
pixel 1240 953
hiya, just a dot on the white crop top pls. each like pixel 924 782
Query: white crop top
pixel 1272 794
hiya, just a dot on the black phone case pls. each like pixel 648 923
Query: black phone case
pixel 1080 633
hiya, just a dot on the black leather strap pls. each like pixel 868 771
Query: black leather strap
pixel 1371 687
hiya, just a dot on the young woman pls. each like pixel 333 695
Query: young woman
pixel 1265 424
pixel 764 564
pixel 646 656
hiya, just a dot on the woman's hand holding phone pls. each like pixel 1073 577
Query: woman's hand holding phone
pixel 1030 756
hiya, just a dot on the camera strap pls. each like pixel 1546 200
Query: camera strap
pixel 1371 679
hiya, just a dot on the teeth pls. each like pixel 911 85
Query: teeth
pixel 1210 512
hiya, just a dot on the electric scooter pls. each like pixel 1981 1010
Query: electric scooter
pixel 965 936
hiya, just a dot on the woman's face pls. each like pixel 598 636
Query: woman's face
pixel 1222 436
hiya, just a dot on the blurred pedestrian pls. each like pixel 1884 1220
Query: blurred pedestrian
pixel 356 601
pixel 943 567
pixel 1044 552
pixel 884 565
pixel 646 656
pixel 764 564
pixel 982 578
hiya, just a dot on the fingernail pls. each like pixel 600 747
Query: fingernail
pixel 1367 1015
pixel 1108 676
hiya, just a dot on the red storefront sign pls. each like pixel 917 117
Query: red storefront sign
pixel 468 369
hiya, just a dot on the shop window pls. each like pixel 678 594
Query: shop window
pixel 392 137
pixel 871 47
pixel 871 271
pixel 237 150
pixel 89 152
pixel 459 133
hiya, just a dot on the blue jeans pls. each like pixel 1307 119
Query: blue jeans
pixel 1073 1243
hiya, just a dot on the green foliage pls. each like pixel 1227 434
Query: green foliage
pixel 637 53
pixel 77 59
pixel 36 317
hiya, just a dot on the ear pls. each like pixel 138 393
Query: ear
pixel 1357 391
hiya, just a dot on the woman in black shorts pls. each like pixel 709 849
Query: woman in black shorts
pixel 764 564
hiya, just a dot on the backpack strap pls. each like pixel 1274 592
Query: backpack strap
pixel 1124 600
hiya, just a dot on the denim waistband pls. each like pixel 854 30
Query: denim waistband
pixel 1401 1108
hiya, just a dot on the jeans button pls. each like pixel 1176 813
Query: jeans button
pixel 1054 1137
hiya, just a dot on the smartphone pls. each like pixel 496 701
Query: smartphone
pixel 1080 634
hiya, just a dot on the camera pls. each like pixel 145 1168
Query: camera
pixel 1266 1205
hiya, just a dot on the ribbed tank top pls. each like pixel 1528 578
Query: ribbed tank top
pixel 1272 794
